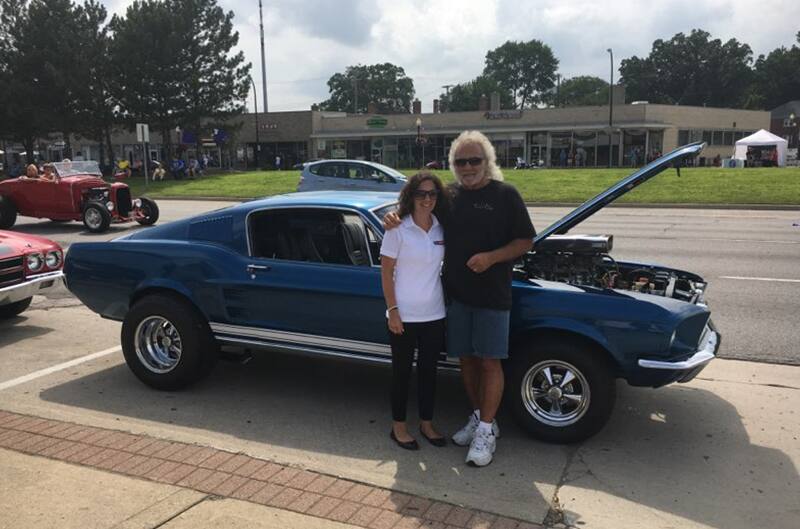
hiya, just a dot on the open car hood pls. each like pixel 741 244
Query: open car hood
pixel 593 205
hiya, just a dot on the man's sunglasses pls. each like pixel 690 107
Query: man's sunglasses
pixel 422 195
pixel 461 162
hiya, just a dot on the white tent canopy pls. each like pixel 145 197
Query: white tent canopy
pixel 762 138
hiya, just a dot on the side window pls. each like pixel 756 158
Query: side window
pixel 311 235
pixel 381 176
pixel 357 172
pixel 374 242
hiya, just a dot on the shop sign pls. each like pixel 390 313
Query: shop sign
pixel 503 114
pixel 377 122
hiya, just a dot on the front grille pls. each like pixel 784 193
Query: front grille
pixel 124 201
pixel 11 271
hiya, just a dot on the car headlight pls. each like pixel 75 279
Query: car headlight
pixel 35 262
pixel 53 259
pixel 137 203
pixel 110 205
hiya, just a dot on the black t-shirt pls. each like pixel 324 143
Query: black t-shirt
pixel 483 220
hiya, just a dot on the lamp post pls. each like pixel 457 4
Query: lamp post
pixel 793 123
pixel 420 140
pixel 255 108
pixel 610 106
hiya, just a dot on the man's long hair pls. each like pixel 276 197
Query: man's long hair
pixel 489 154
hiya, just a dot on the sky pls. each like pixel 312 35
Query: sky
pixel 440 42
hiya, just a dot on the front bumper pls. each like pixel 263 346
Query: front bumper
pixel 660 372
pixel 30 287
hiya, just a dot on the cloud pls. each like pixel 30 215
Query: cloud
pixel 441 42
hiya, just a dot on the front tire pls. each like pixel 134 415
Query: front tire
pixel 14 309
pixel 96 218
pixel 167 342
pixel 149 210
pixel 8 213
pixel 561 391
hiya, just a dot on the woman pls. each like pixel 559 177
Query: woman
pixel 411 258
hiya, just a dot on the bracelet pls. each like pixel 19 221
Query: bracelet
pixel 390 309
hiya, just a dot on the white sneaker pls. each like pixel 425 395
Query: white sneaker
pixel 482 448
pixel 464 436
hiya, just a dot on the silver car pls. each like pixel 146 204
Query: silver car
pixel 349 175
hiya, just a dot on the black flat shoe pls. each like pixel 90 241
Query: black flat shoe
pixel 435 441
pixel 408 445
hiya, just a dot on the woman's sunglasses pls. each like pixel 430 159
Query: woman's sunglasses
pixel 422 195
pixel 461 162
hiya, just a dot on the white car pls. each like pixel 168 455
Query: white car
pixel 349 175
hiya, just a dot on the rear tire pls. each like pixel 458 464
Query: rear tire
pixel 560 391
pixel 149 209
pixel 14 309
pixel 167 342
pixel 96 218
pixel 8 213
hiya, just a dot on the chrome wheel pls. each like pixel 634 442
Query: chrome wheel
pixel 93 218
pixel 556 393
pixel 158 344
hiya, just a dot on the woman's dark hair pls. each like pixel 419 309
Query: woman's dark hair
pixel 406 204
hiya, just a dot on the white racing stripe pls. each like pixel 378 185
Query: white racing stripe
pixel 59 367
pixel 777 280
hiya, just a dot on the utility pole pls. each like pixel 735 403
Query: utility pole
pixel 355 90
pixel 255 108
pixel 263 60
pixel 610 107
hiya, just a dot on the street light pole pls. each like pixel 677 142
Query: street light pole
pixel 255 105
pixel 419 141
pixel 610 107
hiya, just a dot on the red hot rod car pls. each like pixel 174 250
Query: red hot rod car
pixel 28 266
pixel 78 192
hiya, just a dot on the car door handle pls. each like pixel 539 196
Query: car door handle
pixel 253 268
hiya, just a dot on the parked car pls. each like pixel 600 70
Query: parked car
pixel 29 265
pixel 349 175
pixel 78 193
pixel 301 272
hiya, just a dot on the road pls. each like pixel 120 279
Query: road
pixel 750 258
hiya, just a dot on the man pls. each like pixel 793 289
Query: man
pixel 489 228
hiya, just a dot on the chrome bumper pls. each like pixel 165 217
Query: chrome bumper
pixel 30 287
pixel 704 355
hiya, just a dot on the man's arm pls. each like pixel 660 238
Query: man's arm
pixel 480 262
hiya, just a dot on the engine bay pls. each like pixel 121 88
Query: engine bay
pixel 585 260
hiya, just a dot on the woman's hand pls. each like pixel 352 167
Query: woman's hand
pixel 395 323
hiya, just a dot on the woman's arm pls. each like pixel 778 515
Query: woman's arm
pixel 387 282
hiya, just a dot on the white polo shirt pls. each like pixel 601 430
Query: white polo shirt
pixel 417 273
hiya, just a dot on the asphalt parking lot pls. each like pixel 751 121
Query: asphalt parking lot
pixel 721 451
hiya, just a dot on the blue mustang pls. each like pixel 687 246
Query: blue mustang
pixel 301 272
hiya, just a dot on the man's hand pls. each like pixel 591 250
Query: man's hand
pixel 391 220
pixel 480 262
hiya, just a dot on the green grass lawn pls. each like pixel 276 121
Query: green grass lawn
pixel 694 186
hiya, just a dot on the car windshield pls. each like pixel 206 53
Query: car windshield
pixel 89 167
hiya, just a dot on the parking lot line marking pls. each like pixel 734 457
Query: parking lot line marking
pixel 59 367
pixel 777 280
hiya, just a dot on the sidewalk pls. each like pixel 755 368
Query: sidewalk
pixel 60 474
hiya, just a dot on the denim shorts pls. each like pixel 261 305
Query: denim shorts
pixel 475 331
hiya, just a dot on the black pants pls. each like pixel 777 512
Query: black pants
pixel 428 338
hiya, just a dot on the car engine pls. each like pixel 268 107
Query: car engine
pixel 585 260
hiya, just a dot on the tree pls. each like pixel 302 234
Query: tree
pixel 384 84
pixel 584 90
pixel 526 69
pixel 777 77
pixel 465 96
pixel 691 70
pixel 172 65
